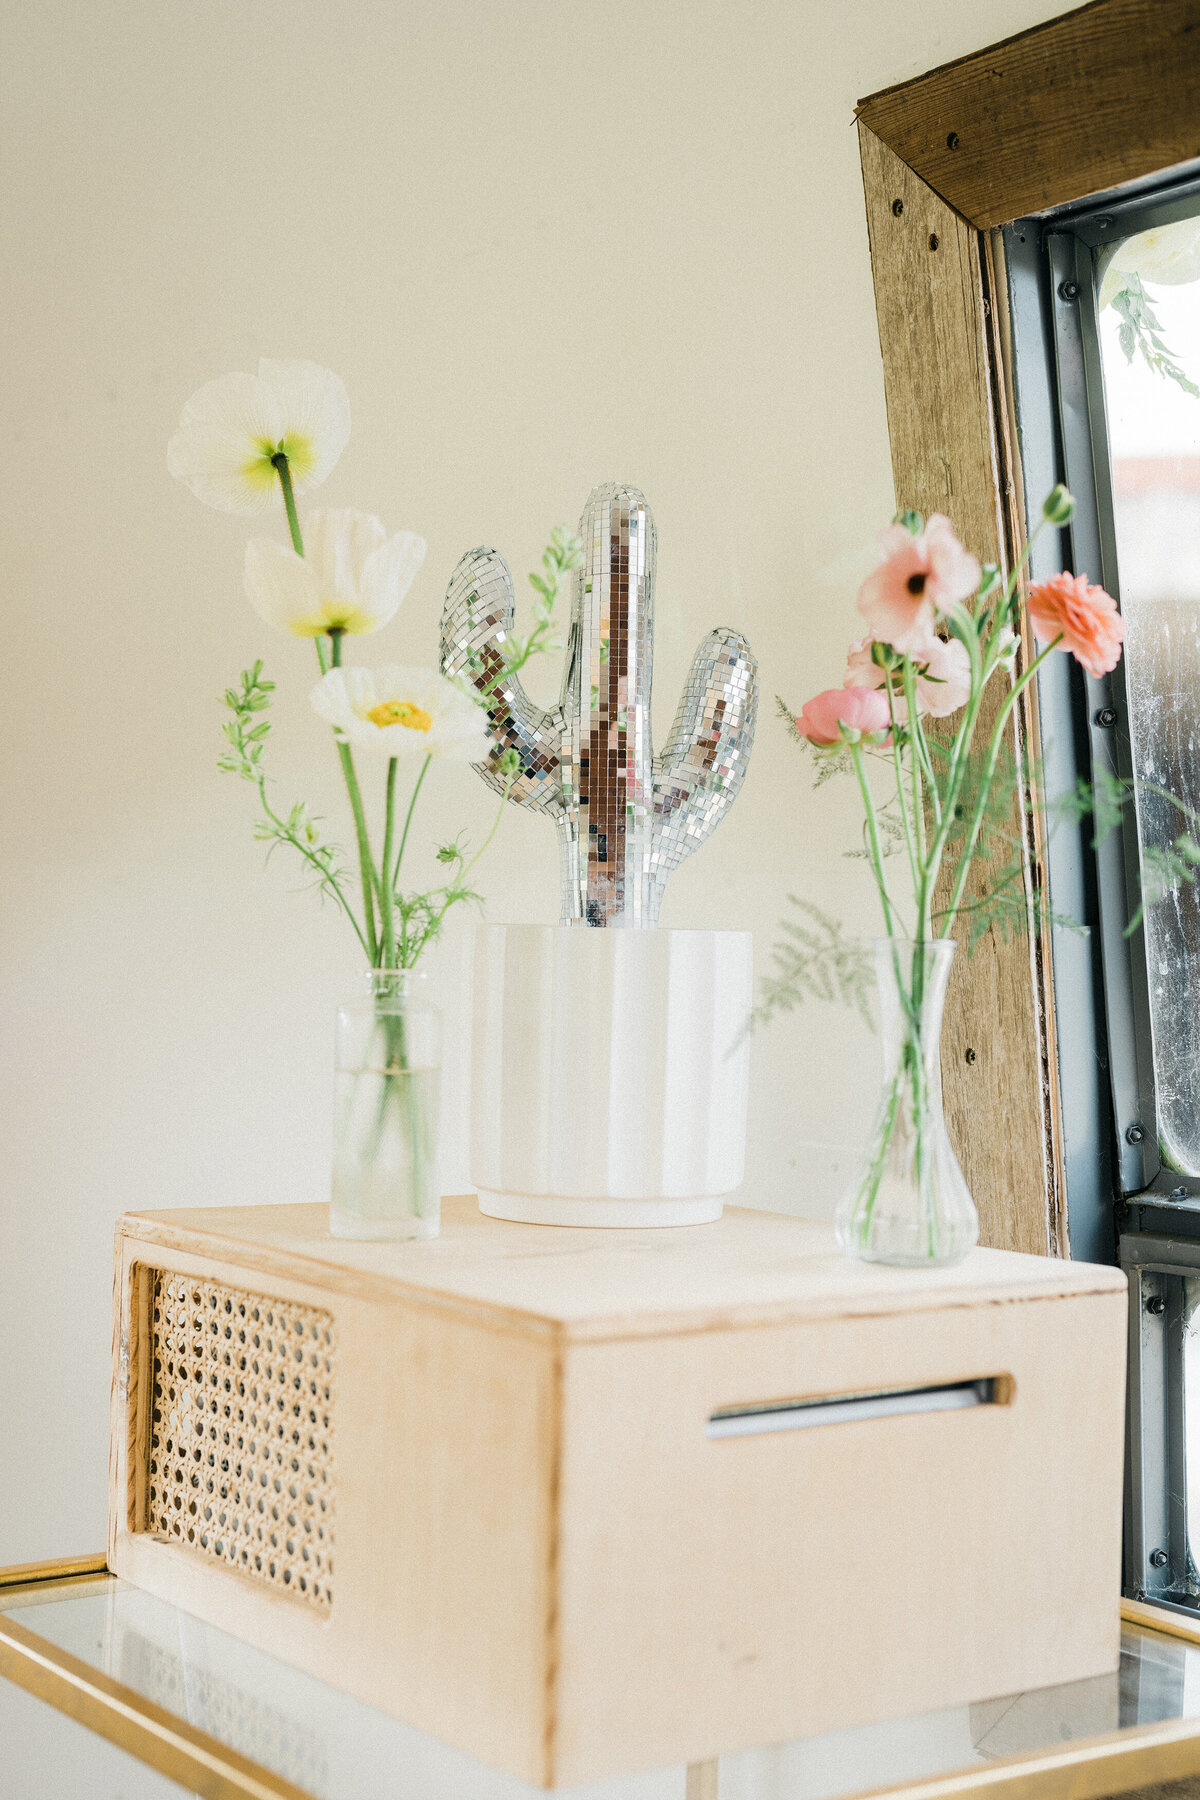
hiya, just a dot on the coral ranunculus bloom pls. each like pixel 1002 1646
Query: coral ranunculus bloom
pixel 861 710
pixel 1083 616
pixel 917 578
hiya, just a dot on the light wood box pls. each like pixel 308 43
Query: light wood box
pixel 522 1535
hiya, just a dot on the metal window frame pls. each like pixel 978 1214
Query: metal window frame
pixel 1159 1565
pixel 1059 394
pixel 1122 1200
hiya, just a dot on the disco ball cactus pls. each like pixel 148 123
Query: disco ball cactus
pixel 625 817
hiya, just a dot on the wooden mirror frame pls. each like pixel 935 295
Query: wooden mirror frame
pixel 1097 97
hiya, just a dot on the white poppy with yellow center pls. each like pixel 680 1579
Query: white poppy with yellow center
pixel 232 429
pixel 402 712
pixel 352 576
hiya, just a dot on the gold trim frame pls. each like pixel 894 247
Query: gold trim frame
pixel 199 1763
pixel 1088 1769
pixel 1097 97
pixel 22 1575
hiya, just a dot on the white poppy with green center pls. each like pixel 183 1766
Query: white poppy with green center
pixel 232 429
pixel 352 576
pixel 403 712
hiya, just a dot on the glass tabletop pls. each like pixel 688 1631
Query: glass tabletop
pixel 319 1742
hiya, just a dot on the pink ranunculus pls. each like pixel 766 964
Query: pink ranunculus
pixel 943 678
pixel 1084 616
pixel 917 578
pixel 862 671
pixel 864 710
pixel 942 670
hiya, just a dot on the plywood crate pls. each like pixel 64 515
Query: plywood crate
pixel 517 1485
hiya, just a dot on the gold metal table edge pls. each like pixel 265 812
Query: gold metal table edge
pixel 126 1718
pixel 1149 1617
pixel 65 1569
pixel 1088 1769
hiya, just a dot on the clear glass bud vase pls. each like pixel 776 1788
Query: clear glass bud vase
pixel 909 1203
pixel 385 1175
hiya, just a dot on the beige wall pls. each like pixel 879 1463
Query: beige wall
pixel 545 244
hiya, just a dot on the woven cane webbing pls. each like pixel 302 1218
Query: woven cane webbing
pixel 241 1440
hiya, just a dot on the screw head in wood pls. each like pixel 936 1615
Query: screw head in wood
pixel 970 1055
pixel 933 240
pixel 952 141
pixel 897 207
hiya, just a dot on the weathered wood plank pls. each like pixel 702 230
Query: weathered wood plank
pixel 935 330
pixel 1073 107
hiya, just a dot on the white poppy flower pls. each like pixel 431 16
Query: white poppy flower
pixel 1167 256
pixel 396 711
pixel 352 576
pixel 232 427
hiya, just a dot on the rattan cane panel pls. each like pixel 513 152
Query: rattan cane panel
pixel 241 1440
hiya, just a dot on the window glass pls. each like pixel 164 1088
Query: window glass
pixel 1149 298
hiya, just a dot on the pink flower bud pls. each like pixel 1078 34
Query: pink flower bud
pixel 843 715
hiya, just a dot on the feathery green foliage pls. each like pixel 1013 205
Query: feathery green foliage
pixel 814 960
pixel 1140 330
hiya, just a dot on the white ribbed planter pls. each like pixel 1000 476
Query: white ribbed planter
pixel 609 1073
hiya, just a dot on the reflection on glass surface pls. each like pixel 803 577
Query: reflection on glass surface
pixel 46 1756
pixel 335 1748
pixel 1147 281
pixel 330 1745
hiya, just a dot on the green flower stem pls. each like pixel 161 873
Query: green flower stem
pixel 462 878
pixel 366 863
pixel 369 937
pixel 916 746
pixel 289 501
pixel 371 884
pixel 898 766
pixel 981 672
pixel 392 876
pixel 920 742
pixel 388 920
pixel 964 865
pixel 495 828
pixel 876 853
pixel 352 788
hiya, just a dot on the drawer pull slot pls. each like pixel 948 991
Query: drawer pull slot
pixel 845 1409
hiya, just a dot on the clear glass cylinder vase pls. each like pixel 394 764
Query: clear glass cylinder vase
pixel 386 1097
pixel 909 1203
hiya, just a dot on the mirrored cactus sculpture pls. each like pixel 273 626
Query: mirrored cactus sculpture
pixel 625 817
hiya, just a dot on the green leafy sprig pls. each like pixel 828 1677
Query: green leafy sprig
pixel 563 553
pixel 246 732
pixel 1141 331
